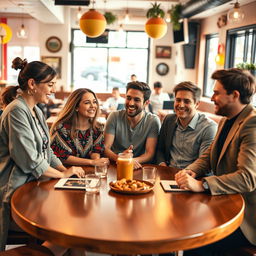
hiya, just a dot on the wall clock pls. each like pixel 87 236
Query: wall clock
pixel 162 69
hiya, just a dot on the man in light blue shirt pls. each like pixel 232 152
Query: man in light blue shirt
pixel 185 135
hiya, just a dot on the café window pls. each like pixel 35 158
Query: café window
pixel 210 64
pixel 241 46
pixel 103 63
pixel 31 53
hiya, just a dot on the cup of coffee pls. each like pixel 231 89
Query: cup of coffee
pixel 125 166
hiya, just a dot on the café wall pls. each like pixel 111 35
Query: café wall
pixel 39 32
pixel 209 26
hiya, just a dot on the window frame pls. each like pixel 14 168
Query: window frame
pixel 232 35
pixel 207 51
pixel 99 45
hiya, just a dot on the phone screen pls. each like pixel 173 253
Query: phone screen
pixel 174 186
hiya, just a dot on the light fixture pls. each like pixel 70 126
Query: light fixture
pixel 22 32
pixel 5 37
pixel 79 13
pixel 120 29
pixel 92 23
pixel 235 14
pixel 126 17
pixel 168 18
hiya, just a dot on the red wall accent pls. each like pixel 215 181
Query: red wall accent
pixel 4 51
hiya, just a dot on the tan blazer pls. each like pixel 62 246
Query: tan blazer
pixel 235 170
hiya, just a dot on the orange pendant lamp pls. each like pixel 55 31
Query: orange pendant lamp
pixel 156 27
pixel 93 23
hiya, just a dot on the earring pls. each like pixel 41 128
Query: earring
pixel 31 92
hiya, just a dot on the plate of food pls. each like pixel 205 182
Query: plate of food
pixel 125 186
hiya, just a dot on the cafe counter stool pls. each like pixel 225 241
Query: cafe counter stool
pixel 28 250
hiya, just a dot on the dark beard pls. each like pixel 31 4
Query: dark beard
pixel 138 111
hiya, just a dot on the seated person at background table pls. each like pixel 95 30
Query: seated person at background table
pixel 25 151
pixel 76 136
pixel 158 97
pixel 133 128
pixel 185 135
pixel 8 94
pixel 231 157
pixel 112 102
pixel 133 78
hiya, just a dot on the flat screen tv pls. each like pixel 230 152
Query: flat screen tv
pixel 181 36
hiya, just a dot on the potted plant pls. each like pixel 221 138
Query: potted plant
pixel 156 26
pixel 110 17
pixel 248 66
pixel 175 13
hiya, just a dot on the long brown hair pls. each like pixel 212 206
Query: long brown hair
pixel 69 114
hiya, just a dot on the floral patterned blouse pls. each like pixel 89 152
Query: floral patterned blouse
pixel 85 142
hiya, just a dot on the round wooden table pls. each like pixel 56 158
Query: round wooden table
pixel 108 222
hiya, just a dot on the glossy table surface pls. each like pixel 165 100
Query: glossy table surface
pixel 114 223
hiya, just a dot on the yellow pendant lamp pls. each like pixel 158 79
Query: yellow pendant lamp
pixel 93 23
pixel 156 26
pixel 5 33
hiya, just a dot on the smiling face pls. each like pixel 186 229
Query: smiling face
pixel 134 103
pixel 185 106
pixel 88 106
pixel 222 101
pixel 44 90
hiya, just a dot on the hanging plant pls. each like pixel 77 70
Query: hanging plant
pixel 110 17
pixel 175 13
pixel 156 26
pixel 155 11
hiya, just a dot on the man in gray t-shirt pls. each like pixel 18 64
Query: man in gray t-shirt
pixel 133 129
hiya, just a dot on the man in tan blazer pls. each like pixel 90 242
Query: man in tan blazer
pixel 231 158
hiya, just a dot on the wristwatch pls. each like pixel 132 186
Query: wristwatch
pixel 205 185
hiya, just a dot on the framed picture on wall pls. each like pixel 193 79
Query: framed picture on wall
pixel 163 52
pixel 54 62
pixel 53 44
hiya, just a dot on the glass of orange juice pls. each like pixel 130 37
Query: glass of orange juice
pixel 125 166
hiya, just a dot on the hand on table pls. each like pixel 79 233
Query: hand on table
pixel 100 161
pixel 186 180
pixel 136 164
pixel 74 170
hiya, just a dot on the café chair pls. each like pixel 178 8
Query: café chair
pixel 19 237
pixel 243 251
pixel 28 250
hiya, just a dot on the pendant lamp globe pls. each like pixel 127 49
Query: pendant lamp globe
pixel 92 23
pixel 236 14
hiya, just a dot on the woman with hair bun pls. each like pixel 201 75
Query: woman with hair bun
pixel 25 151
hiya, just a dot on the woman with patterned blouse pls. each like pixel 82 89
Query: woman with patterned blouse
pixel 76 137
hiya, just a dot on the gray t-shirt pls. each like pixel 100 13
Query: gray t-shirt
pixel 118 125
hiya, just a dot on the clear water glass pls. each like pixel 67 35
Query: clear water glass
pixel 92 183
pixel 101 170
